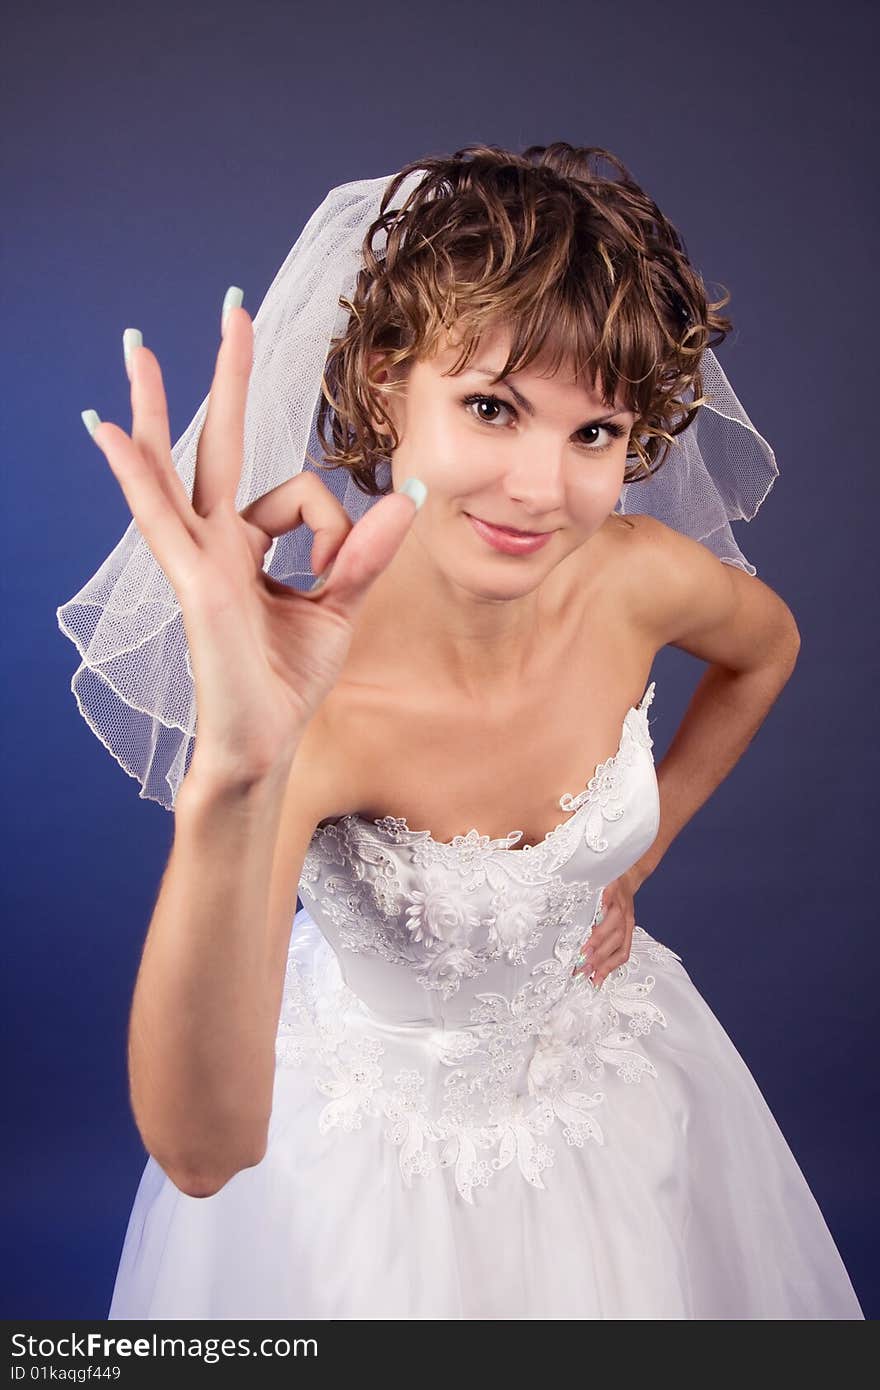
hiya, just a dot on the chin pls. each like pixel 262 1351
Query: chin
pixel 504 587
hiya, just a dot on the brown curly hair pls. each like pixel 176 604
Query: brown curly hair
pixel 583 268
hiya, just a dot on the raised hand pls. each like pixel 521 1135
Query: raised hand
pixel 263 656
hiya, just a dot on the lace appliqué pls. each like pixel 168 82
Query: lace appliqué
pixel 601 795
pixel 434 930
pixel 522 1068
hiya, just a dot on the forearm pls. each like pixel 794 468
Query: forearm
pixel 202 1031
pixel 725 712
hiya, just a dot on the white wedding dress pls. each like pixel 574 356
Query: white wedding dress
pixel 461 1129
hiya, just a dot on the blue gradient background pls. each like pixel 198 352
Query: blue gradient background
pixel 150 160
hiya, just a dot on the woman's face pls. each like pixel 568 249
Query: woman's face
pixel 552 462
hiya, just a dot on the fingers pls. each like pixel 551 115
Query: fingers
pixel 302 498
pixel 358 553
pixel 367 550
pixel 608 946
pixel 221 442
pixel 151 430
pixel 158 520
pixel 613 953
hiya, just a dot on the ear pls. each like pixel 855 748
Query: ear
pixel 380 373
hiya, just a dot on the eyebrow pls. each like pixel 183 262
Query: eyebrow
pixel 527 405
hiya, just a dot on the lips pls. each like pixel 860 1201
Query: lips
pixel 511 530
pixel 507 540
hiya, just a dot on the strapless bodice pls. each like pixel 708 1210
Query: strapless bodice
pixel 419 924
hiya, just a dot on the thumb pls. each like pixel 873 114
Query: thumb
pixel 368 549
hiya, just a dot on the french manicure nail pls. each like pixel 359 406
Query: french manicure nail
pixel 231 300
pixel 91 419
pixel 415 488
pixel 322 578
pixel 131 338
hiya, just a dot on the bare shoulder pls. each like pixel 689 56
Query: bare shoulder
pixel 661 571
pixel 683 595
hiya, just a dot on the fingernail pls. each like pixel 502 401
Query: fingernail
pixel 231 300
pixel 415 488
pixel 131 338
pixel 91 419
pixel 322 578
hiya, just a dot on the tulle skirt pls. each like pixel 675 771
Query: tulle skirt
pixel 693 1207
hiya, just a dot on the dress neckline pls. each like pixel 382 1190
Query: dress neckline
pixel 397 824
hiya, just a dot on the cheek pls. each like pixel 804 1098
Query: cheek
pixel 454 471
pixel 437 451
pixel 594 490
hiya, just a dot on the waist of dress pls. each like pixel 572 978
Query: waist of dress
pixel 448 1042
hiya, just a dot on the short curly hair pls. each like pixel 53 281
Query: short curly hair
pixel 584 269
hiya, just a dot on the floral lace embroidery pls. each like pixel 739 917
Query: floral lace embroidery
pixel 432 929
pixel 520 1068
pixel 521 1065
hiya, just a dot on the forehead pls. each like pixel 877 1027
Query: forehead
pixel 492 350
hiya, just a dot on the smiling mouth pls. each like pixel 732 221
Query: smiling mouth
pixel 509 530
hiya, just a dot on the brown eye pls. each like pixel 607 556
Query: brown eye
pixel 491 401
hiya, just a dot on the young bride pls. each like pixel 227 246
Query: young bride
pixel 465 1084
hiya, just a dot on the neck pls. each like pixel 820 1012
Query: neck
pixel 480 645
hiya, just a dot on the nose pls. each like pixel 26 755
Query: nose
pixel 534 476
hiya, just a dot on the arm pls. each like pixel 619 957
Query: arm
pixel 208 991
pixel 685 597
